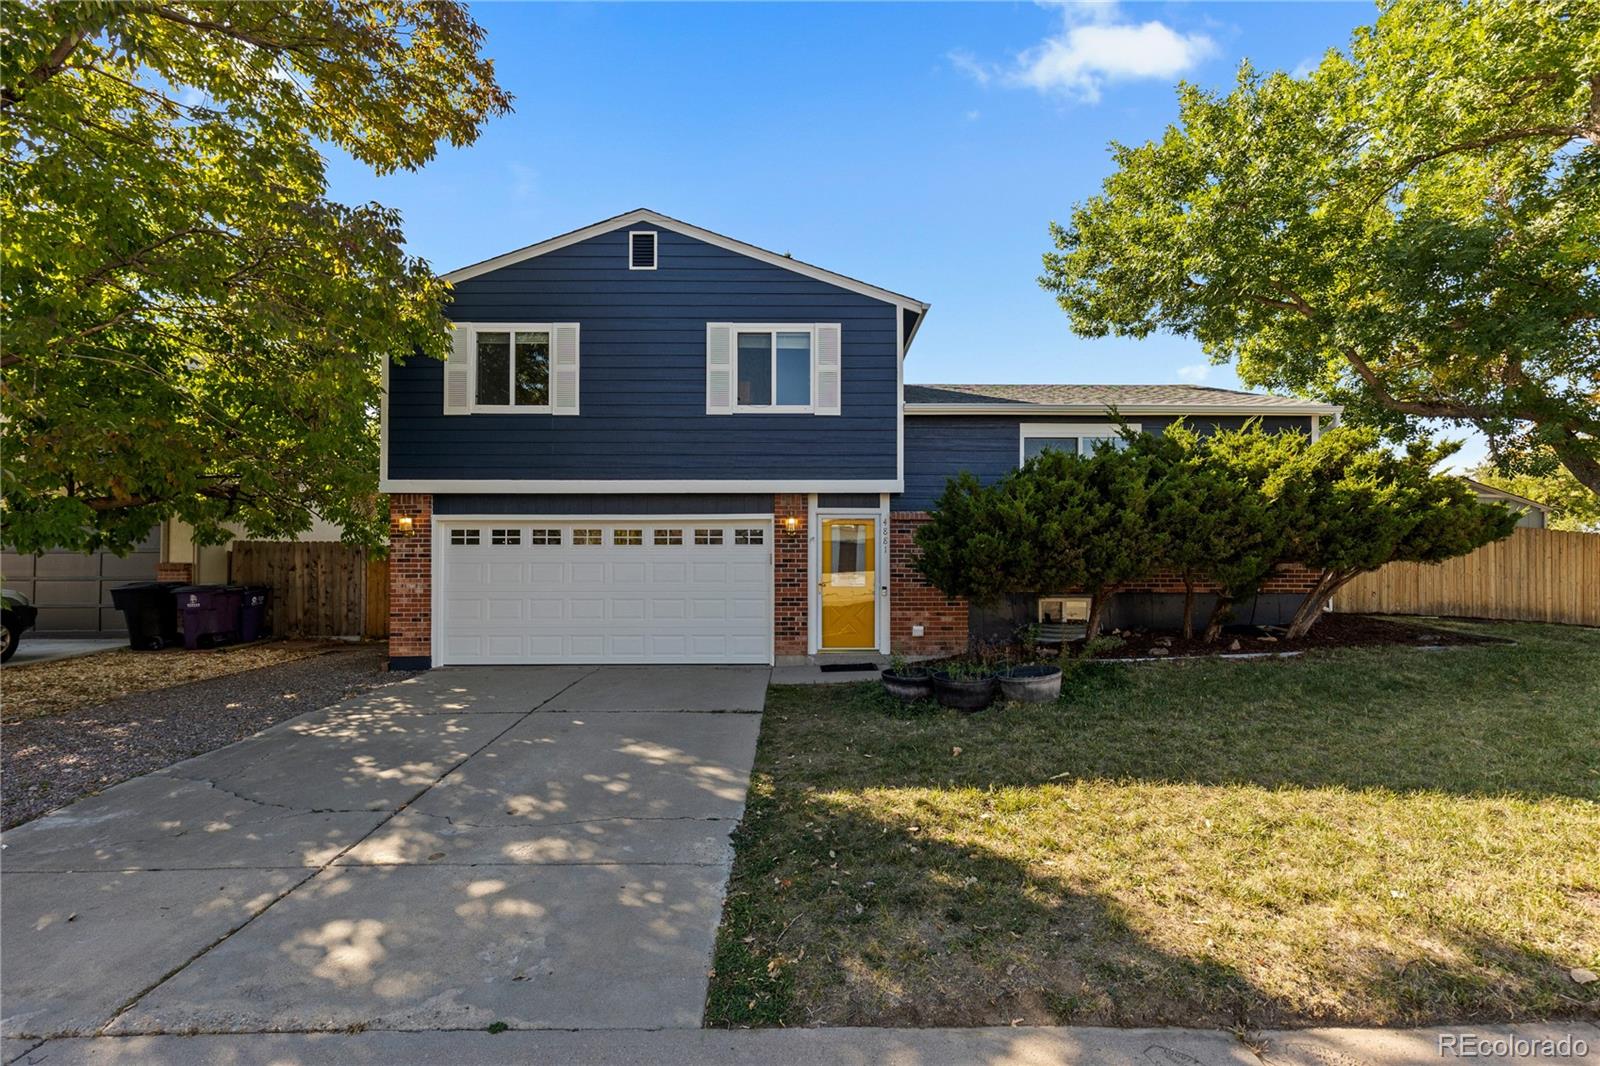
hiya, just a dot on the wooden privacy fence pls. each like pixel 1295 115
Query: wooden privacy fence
pixel 1534 575
pixel 319 588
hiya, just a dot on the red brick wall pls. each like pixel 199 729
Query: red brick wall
pixel 791 575
pixel 411 576
pixel 175 572
pixel 912 601
pixel 1289 578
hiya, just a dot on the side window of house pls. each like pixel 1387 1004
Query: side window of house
pixel 1070 438
pixel 512 369
pixel 782 368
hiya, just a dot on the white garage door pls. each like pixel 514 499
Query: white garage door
pixel 604 591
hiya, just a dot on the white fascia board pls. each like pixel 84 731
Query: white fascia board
pixel 591 487
pixel 645 215
pixel 1099 409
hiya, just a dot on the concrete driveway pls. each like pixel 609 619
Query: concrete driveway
pixel 545 847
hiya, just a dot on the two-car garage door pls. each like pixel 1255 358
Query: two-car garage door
pixel 528 590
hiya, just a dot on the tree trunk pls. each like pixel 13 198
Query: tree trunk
pixel 1098 603
pixel 1219 617
pixel 1310 609
pixel 1188 608
pixel 1579 463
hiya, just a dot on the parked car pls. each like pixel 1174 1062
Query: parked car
pixel 16 615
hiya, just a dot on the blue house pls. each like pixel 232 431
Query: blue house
pixel 654 443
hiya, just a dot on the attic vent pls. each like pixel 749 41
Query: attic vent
pixel 642 250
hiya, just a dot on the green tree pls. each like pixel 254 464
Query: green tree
pixel 1213 522
pixel 1060 522
pixel 1411 230
pixel 1354 505
pixel 1571 505
pixel 191 328
pixel 1124 544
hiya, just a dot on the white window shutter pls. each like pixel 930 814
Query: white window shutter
pixel 458 372
pixel 829 388
pixel 719 368
pixel 564 369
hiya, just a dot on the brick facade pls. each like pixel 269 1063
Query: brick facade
pixel 411 580
pixel 1289 578
pixel 791 574
pixel 175 572
pixel 913 602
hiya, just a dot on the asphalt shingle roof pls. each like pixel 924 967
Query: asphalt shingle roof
pixel 1102 395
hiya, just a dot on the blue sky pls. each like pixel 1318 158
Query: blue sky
pixel 921 147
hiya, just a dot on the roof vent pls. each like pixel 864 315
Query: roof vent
pixel 642 249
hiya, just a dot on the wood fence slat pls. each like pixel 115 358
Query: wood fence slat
pixel 319 588
pixel 1534 575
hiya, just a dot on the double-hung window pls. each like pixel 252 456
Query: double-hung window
pixel 512 369
pixel 773 368
pixel 1074 438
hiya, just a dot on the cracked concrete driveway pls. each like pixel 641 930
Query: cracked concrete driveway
pixel 542 847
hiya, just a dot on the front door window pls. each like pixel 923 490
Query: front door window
pixel 849 583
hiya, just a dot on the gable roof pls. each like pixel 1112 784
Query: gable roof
pixel 1490 492
pixel 655 218
pixel 1093 399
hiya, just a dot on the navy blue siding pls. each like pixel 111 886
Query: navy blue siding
pixel 603 504
pixel 642 375
pixel 841 500
pixel 940 446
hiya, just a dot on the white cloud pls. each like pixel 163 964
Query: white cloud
pixel 969 64
pixel 1195 373
pixel 1094 46
pixel 974 115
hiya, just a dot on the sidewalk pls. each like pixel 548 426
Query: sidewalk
pixel 1566 1044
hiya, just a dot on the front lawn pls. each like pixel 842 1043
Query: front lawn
pixel 1362 836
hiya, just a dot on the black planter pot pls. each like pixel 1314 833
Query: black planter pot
pixel 1032 684
pixel 965 693
pixel 918 686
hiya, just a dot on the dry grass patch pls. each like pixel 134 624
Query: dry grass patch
pixel 1363 837
pixel 34 690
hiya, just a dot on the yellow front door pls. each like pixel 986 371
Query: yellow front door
pixel 849 583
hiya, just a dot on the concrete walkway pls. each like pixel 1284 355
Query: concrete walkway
pixel 1551 1045
pixel 31 649
pixel 538 847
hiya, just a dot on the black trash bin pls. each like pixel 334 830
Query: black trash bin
pixel 253 612
pixel 210 614
pixel 150 612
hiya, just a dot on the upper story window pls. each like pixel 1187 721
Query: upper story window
pixel 512 370
pixel 783 368
pixel 1074 438
pixel 774 369
pixel 642 249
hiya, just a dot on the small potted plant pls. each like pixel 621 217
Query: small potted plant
pixel 965 686
pixel 1031 682
pixel 907 682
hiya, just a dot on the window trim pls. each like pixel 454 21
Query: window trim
pixel 772 329
pixel 1080 430
pixel 655 248
pixel 513 328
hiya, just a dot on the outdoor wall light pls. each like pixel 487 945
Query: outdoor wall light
pixel 791 525
pixel 404 525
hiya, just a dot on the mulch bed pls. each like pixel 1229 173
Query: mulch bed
pixel 52 760
pixel 1332 631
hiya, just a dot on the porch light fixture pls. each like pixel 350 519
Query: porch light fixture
pixel 791 525
pixel 403 525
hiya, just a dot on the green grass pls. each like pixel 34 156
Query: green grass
pixel 1368 837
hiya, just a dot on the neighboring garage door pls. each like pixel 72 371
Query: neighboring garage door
pixel 73 590
pixel 690 590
